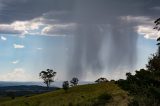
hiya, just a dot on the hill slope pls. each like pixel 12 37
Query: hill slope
pixel 84 95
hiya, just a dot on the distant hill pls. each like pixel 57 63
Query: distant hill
pixel 14 83
pixel 54 84
pixel 102 94
pixel 24 90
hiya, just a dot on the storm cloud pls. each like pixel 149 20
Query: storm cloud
pixel 102 39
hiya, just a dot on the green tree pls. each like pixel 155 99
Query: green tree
pixel 47 76
pixel 99 80
pixel 74 81
pixel 144 86
pixel 157 27
pixel 157 24
pixel 65 85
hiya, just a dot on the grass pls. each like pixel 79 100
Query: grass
pixel 84 95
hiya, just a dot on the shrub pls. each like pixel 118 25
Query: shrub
pixel 74 81
pixel 101 80
pixel 65 85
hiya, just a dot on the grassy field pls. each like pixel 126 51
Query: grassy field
pixel 102 94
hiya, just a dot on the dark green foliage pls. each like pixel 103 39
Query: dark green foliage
pixel 154 63
pixel 11 94
pixel 101 80
pixel 105 96
pixel 65 85
pixel 144 86
pixel 74 81
pixel 70 104
pixel 47 76
pixel 157 24
pixel 133 103
pixel 102 99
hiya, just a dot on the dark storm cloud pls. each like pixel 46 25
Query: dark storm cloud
pixel 91 18
pixel 89 39
pixel 71 10
pixel 29 9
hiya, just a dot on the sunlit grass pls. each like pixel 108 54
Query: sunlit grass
pixel 84 95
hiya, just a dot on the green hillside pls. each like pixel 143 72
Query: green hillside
pixel 84 95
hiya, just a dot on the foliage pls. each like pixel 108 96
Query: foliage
pixel 157 24
pixel 99 80
pixel 144 86
pixel 47 76
pixel 11 94
pixel 154 63
pixel 65 85
pixel 74 81
pixel 102 100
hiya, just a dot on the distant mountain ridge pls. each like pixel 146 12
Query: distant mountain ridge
pixel 24 90
pixel 14 83
pixel 54 84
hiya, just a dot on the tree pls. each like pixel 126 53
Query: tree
pixel 146 82
pixel 47 76
pixel 128 75
pixel 101 80
pixel 157 27
pixel 65 85
pixel 154 63
pixel 74 81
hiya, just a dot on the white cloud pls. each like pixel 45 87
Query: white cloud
pixel 59 29
pixel 9 29
pixel 39 48
pixel 21 27
pixel 37 26
pixel 143 26
pixel 148 32
pixel 18 46
pixel 18 74
pixel 15 62
pixel 3 38
pixel 137 19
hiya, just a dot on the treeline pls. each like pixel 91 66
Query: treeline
pixel 144 86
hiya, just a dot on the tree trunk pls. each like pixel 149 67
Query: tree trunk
pixel 47 85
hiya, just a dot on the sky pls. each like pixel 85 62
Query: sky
pixel 76 38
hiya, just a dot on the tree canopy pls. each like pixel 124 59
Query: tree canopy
pixel 47 76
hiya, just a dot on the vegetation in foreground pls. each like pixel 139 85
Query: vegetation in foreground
pixel 144 86
pixel 101 94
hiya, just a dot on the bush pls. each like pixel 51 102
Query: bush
pixel 65 85
pixel 74 81
pixel 105 97
pixel 101 80
pixel 102 100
